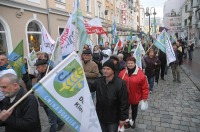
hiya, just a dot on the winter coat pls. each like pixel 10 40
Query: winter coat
pixel 112 99
pixel 91 71
pixel 137 85
pixel 25 116
pixel 150 65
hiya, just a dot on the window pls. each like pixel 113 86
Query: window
pixel 185 8
pixel 62 1
pixel 60 30
pixel 3 42
pixel 34 36
pixel 34 1
pixel 88 5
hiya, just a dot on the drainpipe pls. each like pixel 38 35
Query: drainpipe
pixel 48 17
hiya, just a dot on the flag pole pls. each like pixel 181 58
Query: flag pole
pixel 20 100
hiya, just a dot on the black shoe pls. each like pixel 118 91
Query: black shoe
pixel 133 126
pixel 60 127
pixel 162 78
pixel 178 81
pixel 174 80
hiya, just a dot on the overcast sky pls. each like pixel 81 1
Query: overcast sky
pixel 158 4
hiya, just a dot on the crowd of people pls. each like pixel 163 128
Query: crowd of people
pixel 115 79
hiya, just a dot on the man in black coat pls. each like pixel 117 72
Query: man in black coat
pixel 25 116
pixel 112 99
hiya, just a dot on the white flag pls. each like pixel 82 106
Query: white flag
pixel 57 57
pixel 138 54
pixel 48 43
pixel 31 59
pixel 169 51
pixel 67 38
pixel 65 91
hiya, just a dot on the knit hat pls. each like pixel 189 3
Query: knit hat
pixel 114 57
pixel 109 63
pixel 40 62
pixel 87 51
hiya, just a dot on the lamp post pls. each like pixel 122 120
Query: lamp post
pixel 148 13
pixel 154 13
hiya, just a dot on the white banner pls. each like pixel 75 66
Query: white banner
pixel 31 59
pixel 65 91
pixel 67 38
pixel 57 57
pixel 48 43
pixel 169 51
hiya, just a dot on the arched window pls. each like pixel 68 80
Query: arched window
pixel 34 36
pixel 3 42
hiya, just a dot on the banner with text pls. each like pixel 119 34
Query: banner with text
pixel 65 91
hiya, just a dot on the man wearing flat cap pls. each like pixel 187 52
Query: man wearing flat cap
pixel 112 98
pixel 90 68
pixel 55 122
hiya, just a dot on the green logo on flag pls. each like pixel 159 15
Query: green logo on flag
pixel 70 80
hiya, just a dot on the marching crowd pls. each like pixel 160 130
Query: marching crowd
pixel 115 79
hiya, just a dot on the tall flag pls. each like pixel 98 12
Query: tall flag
pixel 67 38
pixel 100 40
pixel 77 20
pixel 57 57
pixel 114 32
pixel 31 59
pixel 169 51
pixel 65 91
pixel 164 44
pixel 48 44
pixel 16 59
pixel 160 41
pixel 138 54
pixel 118 45
pixel 94 26
pixel 174 39
pixel 129 38
pixel 90 43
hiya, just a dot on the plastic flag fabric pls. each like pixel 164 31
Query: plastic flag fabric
pixel 16 59
pixel 65 91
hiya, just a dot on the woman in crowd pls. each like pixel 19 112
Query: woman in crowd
pixel 152 62
pixel 137 85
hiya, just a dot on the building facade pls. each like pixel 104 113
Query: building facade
pixel 23 19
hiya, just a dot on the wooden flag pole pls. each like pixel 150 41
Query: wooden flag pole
pixel 20 100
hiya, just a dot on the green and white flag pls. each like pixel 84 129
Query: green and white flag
pixel 65 91
pixel 31 59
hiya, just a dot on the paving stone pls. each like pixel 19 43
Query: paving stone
pixel 185 128
pixel 164 125
pixel 192 129
pixel 151 127
pixel 155 119
pixel 163 120
pixel 169 130
pixel 185 123
pixel 142 126
pixel 174 126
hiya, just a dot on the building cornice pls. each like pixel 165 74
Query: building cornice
pixel 27 7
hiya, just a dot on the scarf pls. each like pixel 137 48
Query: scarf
pixel 131 71
pixel 4 67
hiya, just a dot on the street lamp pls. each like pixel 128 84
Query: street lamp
pixel 154 13
pixel 148 13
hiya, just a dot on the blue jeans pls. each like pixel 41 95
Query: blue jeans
pixel 151 83
pixel 109 127
pixel 54 120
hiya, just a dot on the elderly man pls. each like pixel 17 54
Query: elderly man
pixel 90 68
pixel 112 98
pixel 55 122
pixel 4 68
pixel 25 116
